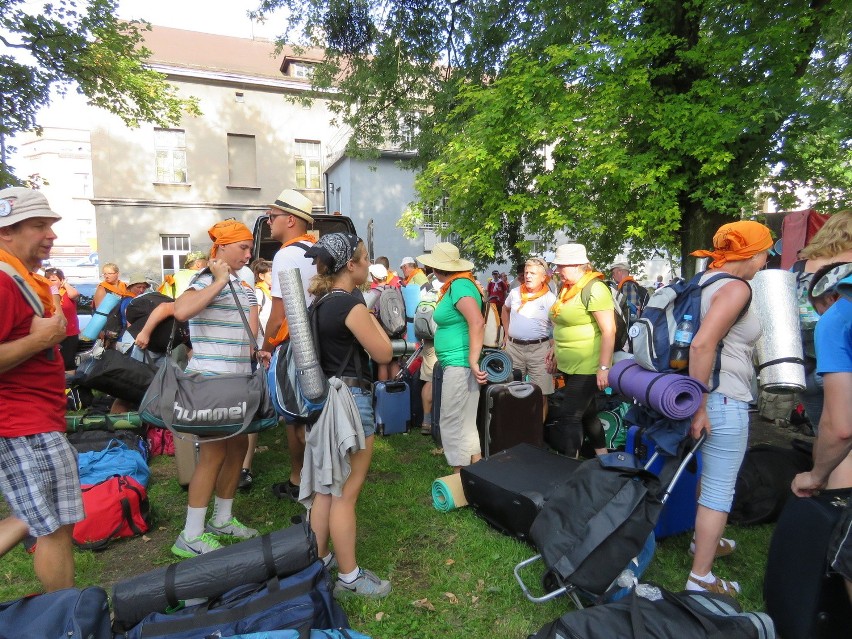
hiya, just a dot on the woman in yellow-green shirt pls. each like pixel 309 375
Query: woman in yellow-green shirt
pixel 584 340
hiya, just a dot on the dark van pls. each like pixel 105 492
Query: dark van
pixel 266 247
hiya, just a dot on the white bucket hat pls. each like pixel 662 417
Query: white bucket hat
pixel 445 257
pixel 571 254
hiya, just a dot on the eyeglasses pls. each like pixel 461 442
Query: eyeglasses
pixel 270 217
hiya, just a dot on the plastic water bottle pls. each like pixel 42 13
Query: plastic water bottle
pixel 679 354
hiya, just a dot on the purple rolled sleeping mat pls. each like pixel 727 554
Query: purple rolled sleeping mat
pixel 673 395
pixel 281 553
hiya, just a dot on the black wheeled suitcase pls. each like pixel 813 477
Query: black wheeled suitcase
pixel 509 488
pixel 437 383
pixel 804 600
pixel 510 414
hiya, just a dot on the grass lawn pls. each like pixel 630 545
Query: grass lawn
pixel 451 573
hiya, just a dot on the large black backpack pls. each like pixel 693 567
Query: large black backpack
pixel 763 483
pixel 139 310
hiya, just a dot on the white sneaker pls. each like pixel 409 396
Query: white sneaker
pixel 232 528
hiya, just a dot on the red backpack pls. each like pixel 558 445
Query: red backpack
pixel 160 441
pixel 116 507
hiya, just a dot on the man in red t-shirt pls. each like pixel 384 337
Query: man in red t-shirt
pixel 38 467
pixel 497 290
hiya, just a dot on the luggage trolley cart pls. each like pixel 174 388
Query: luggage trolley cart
pixel 598 521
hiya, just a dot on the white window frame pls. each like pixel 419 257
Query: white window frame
pixel 301 70
pixel 308 162
pixel 170 156
pixel 176 246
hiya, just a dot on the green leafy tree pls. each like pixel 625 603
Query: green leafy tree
pixel 647 122
pixel 78 44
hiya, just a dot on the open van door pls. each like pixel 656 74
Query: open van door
pixel 266 247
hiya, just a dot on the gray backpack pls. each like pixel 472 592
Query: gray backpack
pixel 391 313
pixel 424 323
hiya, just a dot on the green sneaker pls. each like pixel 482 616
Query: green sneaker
pixel 194 547
pixel 232 528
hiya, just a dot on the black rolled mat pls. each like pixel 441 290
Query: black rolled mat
pixel 281 553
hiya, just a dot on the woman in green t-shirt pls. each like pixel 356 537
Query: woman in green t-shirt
pixel 584 339
pixel 458 345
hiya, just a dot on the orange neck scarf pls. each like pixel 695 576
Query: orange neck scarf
pixel 168 286
pixel 307 237
pixel 464 275
pixel 568 292
pixel 410 277
pixel 119 289
pixel 39 284
pixel 532 296
pixel 624 281
pixel 263 286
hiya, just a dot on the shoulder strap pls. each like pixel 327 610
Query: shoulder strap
pixel 586 294
pixel 301 245
pixel 252 338
pixel 315 335
pixel 30 296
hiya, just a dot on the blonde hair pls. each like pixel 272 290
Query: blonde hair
pixel 535 261
pixel 112 266
pixel 323 281
pixel 832 239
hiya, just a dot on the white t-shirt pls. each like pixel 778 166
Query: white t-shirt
pixel 293 257
pixel 532 320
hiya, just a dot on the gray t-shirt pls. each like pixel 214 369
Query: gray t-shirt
pixel 737 367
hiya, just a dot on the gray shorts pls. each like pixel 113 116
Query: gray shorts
pixel 39 479
pixel 531 359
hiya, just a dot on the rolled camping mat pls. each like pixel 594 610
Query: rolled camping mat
pixel 117 421
pixel 282 553
pixel 411 295
pixel 312 381
pixel 673 395
pixel 99 317
pixel 780 365
pixel 447 493
pixel 496 364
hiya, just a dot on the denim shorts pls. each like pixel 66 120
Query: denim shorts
pixel 723 451
pixel 364 402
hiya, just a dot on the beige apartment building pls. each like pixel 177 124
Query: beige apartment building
pixel 157 190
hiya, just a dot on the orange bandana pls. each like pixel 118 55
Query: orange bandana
pixel 263 286
pixel 568 293
pixel 544 290
pixel 39 284
pixel 228 232
pixel 119 289
pixel 624 281
pixel 464 275
pixel 413 273
pixel 168 286
pixel 737 241
pixel 307 237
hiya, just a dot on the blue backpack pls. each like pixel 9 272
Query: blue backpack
pixel 651 336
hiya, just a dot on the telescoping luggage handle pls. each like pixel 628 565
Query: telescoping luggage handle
pixel 569 589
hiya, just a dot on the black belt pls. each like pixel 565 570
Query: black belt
pixel 527 342
pixel 355 382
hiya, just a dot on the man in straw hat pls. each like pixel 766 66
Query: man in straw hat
pixel 458 345
pixel 289 217
pixel 38 468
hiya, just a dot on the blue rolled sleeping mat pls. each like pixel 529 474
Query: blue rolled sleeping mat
pixel 99 318
pixel 496 364
pixel 281 553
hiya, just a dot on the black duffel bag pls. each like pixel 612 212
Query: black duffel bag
pixel 116 374
pixel 692 615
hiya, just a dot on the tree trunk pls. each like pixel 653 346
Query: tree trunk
pixel 697 230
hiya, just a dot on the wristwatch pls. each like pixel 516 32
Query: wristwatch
pixel 603 368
